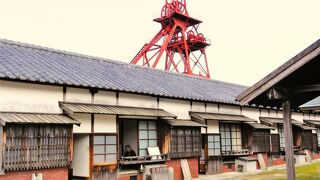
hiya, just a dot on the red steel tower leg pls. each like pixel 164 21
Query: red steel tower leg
pixel 179 40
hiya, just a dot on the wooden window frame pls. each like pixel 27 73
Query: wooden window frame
pixel 231 138
pixel 105 148
pixel 214 148
pixel 281 136
pixel 148 134
pixel 179 145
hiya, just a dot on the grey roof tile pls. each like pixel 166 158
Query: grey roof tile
pixel 40 64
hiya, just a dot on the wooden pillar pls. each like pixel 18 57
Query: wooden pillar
pixel 1 151
pixel 287 125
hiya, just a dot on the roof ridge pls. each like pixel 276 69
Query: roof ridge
pixel 96 58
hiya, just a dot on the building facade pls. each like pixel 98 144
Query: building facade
pixel 71 116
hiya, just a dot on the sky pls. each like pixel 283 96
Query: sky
pixel 249 38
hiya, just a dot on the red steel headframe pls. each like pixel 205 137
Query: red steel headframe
pixel 179 40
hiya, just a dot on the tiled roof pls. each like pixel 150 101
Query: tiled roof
pixel 25 62
pixel 313 104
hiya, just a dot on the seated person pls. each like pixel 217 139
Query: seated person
pixel 129 152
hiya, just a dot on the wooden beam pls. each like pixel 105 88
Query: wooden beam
pixel 306 88
pixel 287 125
pixel 278 93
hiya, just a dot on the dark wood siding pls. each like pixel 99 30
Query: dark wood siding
pixel 275 143
pixel 314 142
pixel 261 141
pixel 306 139
pixel 37 146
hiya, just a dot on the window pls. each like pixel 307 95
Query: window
pixel 281 136
pixel 214 148
pixel 261 141
pixel 306 139
pixel 230 137
pixel 185 142
pixel 318 136
pixel 104 149
pixel 148 136
pixel 37 146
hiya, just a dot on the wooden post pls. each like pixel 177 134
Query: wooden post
pixel 287 125
pixel 1 151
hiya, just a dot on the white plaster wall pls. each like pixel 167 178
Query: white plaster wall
pixel 85 120
pixel 212 108
pixel 78 95
pixel 273 113
pixel 176 107
pixel 251 113
pixel 24 97
pixel 105 97
pixel 137 100
pixel 105 123
pixel 198 107
pixel 130 135
pixel 225 109
pixel 317 117
pixel 275 130
pixel 264 112
pixel 213 126
pixel 297 116
pixel 80 161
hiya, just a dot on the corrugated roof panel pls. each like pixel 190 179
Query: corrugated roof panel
pixel 220 117
pixel 35 118
pixel 32 63
pixel 113 110
pixel 184 123
pixel 270 120
pixel 314 122
pixel 259 126
pixel 304 127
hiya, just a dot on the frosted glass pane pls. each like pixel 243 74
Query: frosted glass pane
pixel 143 144
pixel 152 125
pixel 228 148
pixel 143 134
pixel 111 158
pixel 234 134
pixel 98 159
pixel 211 152
pixel 142 124
pixel 210 138
pixel 238 134
pixel 111 140
pixel 216 144
pixel 217 152
pixel 233 128
pixel 111 149
pixel 216 138
pixel 98 140
pixel 239 142
pixel 234 141
pixel 98 149
pixel 223 142
pixel 143 152
pixel 227 134
pixel 228 142
pixel 210 145
pixel 153 143
pixel 152 134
